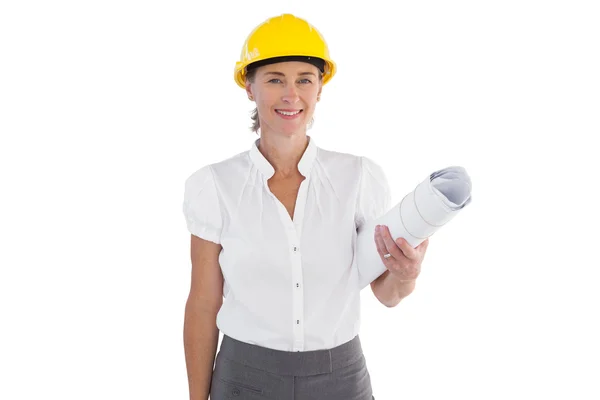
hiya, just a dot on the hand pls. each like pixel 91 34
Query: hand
pixel 405 262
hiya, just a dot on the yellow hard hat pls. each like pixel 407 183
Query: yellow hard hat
pixel 283 36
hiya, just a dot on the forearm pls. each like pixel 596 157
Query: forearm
pixel 201 337
pixel 390 290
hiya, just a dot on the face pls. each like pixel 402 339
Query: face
pixel 286 95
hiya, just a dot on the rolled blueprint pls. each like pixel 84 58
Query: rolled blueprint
pixel 434 202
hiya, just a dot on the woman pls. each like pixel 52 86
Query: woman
pixel 273 230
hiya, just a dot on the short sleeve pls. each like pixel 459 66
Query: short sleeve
pixel 201 207
pixel 374 197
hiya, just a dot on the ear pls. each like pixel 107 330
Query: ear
pixel 249 91
pixel 319 92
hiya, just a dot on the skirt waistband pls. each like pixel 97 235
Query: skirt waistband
pixel 301 363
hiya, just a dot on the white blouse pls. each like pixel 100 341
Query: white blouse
pixel 289 285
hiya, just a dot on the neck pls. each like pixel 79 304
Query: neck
pixel 283 153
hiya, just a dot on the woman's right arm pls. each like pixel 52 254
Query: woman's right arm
pixel 201 334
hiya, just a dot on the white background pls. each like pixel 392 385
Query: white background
pixel 107 106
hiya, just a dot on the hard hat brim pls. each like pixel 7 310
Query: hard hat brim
pixel 329 70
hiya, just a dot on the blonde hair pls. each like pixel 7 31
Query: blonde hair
pixel 254 115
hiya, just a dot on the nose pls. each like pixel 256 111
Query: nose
pixel 290 94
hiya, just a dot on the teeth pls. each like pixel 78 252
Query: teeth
pixel 288 113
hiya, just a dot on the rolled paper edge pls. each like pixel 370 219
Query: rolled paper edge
pixel 436 214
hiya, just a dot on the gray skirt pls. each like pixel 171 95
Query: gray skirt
pixel 249 372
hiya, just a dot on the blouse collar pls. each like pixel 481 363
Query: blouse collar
pixel 304 165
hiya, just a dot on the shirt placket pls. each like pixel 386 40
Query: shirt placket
pixel 293 231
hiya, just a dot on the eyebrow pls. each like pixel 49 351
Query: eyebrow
pixel 282 74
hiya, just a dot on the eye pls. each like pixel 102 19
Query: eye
pixel 307 80
pixel 275 79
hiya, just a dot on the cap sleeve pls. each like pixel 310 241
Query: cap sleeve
pixel 374 198
pixel 201 207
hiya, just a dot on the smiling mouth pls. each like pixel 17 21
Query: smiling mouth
pixel 288 113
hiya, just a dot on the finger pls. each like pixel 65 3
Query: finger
pixel 379 244
pixel 407 249
pixel 390 244
pixel 422 248
pixel 381 249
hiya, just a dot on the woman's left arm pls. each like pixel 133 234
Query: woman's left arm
pixel 390 291
pixel 403 267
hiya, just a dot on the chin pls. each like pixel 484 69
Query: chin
pixel 292 128
pixel 292 131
